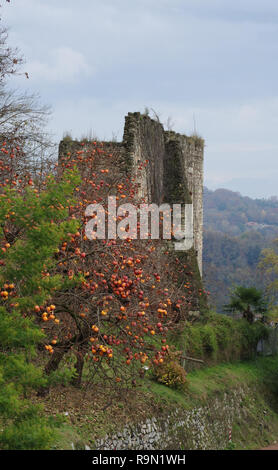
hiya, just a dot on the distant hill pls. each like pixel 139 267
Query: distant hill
pixel 229 212
pixel 236 229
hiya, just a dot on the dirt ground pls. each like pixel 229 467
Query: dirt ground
pixel 272 447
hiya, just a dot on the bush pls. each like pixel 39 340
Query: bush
pixel 209 340
pixel 219 338
pixel 170 372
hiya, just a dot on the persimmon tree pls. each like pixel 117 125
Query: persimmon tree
pixel 132 292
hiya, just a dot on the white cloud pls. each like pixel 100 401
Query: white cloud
pixel 213 61
pixel 63 65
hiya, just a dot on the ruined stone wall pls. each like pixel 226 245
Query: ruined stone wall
pixel 191 155
pixel 168 167
pixel 144 145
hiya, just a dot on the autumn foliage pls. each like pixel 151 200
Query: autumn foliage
pixel 118 317
pixel 108 303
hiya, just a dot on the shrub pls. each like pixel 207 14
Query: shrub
pixel 209 340
pixel 170 372
pixel 217 338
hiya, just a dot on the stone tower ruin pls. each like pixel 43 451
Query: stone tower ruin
pixel 174 169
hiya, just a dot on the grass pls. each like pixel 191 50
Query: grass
pixel 206 382
pixel 258 426
pixel 95 412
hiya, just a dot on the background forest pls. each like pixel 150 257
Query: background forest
pixel 237 229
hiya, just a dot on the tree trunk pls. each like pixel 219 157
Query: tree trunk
pixel 51 366
pixel 248 315
pixel 76 381
pixel 57 356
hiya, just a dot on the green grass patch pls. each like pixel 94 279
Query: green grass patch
pixel 208 381
pixel 89 419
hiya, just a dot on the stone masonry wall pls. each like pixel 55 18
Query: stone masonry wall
pixel 204 427
pixel 144 143
pixel 191 151
pixel 168 167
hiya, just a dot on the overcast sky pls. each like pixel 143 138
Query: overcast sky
pixel 211 62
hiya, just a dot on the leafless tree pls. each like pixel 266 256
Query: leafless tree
pixel 22 120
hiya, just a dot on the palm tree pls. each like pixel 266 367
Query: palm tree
pixel 248 301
